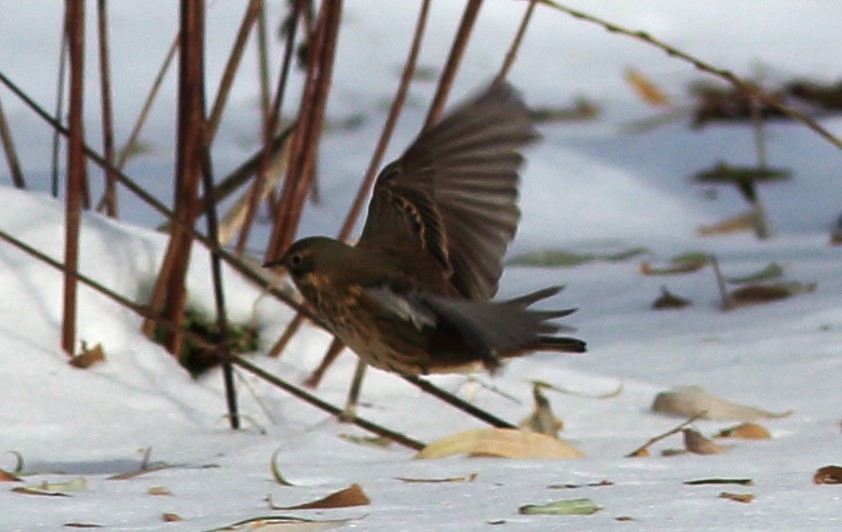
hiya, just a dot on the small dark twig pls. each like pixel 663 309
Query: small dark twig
pixel 461 404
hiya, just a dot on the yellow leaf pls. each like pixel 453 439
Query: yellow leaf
pixel 646 89
pixel 505 443
pixel 353 495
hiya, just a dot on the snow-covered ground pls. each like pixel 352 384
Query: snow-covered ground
pixel 586 186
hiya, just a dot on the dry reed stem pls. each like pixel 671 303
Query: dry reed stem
pixel 109 197
pixel 11 152
pixel 75 34
pixel 457 51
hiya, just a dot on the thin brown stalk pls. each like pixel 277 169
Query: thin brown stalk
pixel 134 136
pixel 59 112
pixel 699 64
pixel 10 151
pixel 271 118
pixel 109 198
pixel 75 32
pixel 333 352
pixel 457 51
pixel 645 447
pixel 511 55
pixel 169 297
pixel 280 345
pixel 389 126
pixel 143 311
pixel 306 140
pixel 457 402
pixel 218 290
pixel 230 72
pixel 262 44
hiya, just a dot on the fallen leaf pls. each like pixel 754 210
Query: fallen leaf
pixel 738 497
pixel 756 294
pixel 170 517
pixel 698 444
pixel 142 471
pixel 695 401
pixel 470 478
pixel 276 470
pixel 646 89
pixel 572 485
pixel 542 419
pixel 5 476
pixel 624 518
pixel 831 474
pixel 158 490
pixel 371 441
pixel 353 495
pixel 575 393
pixel 745 431
pixel 685 263
pixel 88 357
pixel 55 489
pixel 668 300
pixel 81 525
pixel 705 481
pixel 771 271
pixel 741 222
pixel 642 452
pixel 553 258
pixel 283 522
pixel 506 443
pixel 562 507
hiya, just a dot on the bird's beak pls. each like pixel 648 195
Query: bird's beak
pixel 274 263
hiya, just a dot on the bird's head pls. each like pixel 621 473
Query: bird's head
pixel 309 260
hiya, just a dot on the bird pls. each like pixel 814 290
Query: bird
pixel 413 295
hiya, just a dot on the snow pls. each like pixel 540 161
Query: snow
pixel 586 186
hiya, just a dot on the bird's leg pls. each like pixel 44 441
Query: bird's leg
pixel 350 411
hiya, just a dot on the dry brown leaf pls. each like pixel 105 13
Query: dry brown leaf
pixel 5 476
pixel 646 89
pixel 828 475
pixel 698 444
pixel 745 431
pixel 757 294
pixel 77 524
pixel 88 357
pixel 170 517
pixel 642 452
pixel 738 497
pixel 742 222
pixel 572 485
pixel 695 401
pixel 668 300
pixel 505 443
pixel 542 419
pixel 158 490
pixel 353 495
pixel 470 478
pixel 705 481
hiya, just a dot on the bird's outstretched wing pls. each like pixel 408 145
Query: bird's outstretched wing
pixel 453 193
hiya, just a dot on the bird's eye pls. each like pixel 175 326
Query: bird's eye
pixel 295 260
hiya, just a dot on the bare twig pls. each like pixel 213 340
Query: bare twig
pixel 125 153
pixel 699 64
pixel 306 139
pixel 11 152
pixel 469 18
pixel 109 197
pixel 511 55
pixel 252 12
pixel 75 33
pixel 271 118
pixel 645 447
pixel 461 404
